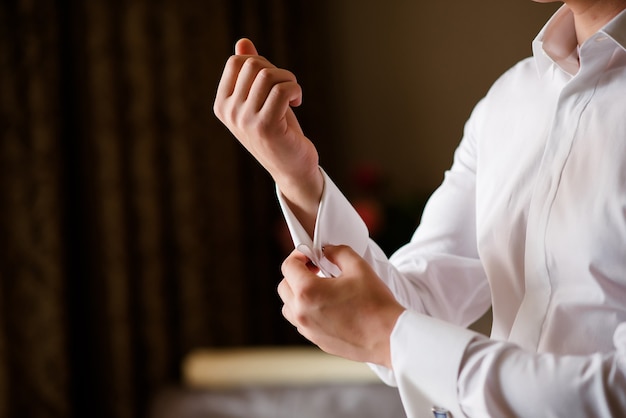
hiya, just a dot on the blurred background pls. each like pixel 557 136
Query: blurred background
pixel 134 228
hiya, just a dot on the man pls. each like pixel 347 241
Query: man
pixel 531 218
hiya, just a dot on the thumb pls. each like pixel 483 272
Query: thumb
pixel 244 46
pixel 342 256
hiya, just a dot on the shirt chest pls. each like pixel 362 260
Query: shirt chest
pixel 551 196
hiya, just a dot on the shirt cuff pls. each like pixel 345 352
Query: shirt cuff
pixel 426 355
pixel 338 223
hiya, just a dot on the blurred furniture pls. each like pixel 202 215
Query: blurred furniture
pixel 300 382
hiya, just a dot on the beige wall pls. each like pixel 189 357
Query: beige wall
pixel 406 74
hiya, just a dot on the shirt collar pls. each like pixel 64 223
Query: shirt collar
pixel 616 29
pixel 556 42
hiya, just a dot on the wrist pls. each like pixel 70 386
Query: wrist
pixel 303 194
pixel 390 325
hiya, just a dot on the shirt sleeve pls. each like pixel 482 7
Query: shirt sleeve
pixel 438 276
pixel 471 375
pixel 439 271
pixel 501 379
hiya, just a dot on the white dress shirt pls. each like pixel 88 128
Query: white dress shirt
pixel 530 219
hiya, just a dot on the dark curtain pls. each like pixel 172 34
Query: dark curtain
pixel 134 228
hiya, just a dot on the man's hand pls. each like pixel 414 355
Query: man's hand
pixel 254 100
pixel 351 315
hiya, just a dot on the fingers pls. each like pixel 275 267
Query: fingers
pixel 297 269
pixel 305 286
pixel 260 86
pixel 234 74
pixel 248 73
pixel 245 46
pixel 226 85
pixel 286 295
pixel 343 257
pixel 352 315
pixel 297 288
pixel 274 89
pixel 244 49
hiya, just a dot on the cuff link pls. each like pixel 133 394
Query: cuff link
pixel 440 412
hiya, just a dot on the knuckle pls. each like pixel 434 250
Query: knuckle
pixel 234 117
pixel 285 266
pixel 308 294
pixel 301 318
pixel 231 115
pixel 285 89
pixel 219 110
pixel 234 61
pixel 265 74
pixel 254 64
pixel 279 91
pixel 291 76
pixel 281 289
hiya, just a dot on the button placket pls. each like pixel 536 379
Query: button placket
pixel 534 307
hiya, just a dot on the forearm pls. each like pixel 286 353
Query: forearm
pixel 254 100
pixel 303 197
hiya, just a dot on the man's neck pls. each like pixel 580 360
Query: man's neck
pixel 590 15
